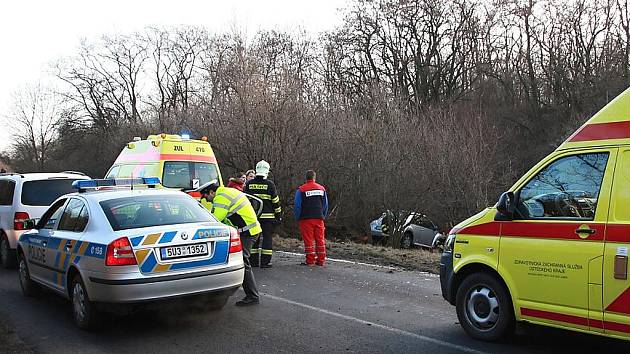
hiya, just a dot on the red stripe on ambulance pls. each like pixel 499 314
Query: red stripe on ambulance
pixel 602 131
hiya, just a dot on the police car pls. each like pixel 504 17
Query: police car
pixel 115 242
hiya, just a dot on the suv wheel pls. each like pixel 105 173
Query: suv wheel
pixel 484 307
pixel 85 313
pixel 29 288
pixel 7 255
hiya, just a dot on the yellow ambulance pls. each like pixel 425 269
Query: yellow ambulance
pixel 554 249
pixel 179 162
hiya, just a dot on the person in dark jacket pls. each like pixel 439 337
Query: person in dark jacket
pixel 264 189
pixel 311 208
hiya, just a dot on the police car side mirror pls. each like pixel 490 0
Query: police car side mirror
pixel 506 207
pixel 29 224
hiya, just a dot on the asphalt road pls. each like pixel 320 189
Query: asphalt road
pixel 342 308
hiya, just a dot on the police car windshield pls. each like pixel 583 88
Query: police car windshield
pixel 146 211
pixel 180 174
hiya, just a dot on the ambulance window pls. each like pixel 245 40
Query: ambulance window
pixel 113 173
pixel 205 172
pixel 176 174
pixel 566 188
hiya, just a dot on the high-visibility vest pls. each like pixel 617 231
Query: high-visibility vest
pixel 232 204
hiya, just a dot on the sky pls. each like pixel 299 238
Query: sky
pixel 34 34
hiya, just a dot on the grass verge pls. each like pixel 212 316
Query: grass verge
pixel 412 259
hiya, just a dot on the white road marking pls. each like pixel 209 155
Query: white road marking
pixel 354 262
pixel 375 325
pixel 339 260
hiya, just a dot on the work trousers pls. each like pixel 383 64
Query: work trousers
pixel 313 231
pixel 263 247
pixel 249 283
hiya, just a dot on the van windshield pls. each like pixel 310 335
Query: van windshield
pixel 180 174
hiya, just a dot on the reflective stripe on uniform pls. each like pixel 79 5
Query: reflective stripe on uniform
pixel 248 227
pixel 267 252
pixel 222 206
pixel 255 250
pixel 277 210
pixel 267 216
pixel 230 198
pixel 235 210
pixel 275 200
pixel 263 196
pixel 243 202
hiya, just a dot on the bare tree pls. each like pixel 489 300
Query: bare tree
pixel 33 124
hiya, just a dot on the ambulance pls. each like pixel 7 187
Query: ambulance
pixel 554 249
pixel 179 161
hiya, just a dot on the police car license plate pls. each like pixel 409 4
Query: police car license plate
pixel 198 249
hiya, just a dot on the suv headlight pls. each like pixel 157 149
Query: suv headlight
pixel 449 243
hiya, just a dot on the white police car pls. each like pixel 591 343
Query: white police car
pixel 112 243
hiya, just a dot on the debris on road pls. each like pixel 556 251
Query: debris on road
pixel 410 259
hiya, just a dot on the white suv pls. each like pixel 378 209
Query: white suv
pixel 27 196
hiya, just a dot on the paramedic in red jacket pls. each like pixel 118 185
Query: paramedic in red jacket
pixel 311 208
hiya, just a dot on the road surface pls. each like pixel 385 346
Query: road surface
pixel 341 308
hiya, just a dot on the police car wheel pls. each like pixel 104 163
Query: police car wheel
pixel 7 255
pixel 85 314
pixel 29 288
pixel 484 307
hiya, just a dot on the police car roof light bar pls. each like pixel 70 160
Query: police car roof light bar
pixel 84 185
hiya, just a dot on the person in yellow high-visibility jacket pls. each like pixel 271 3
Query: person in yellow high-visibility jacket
pixel 233 205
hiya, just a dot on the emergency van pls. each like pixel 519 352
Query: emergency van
pixel 554 249
pixel 180 162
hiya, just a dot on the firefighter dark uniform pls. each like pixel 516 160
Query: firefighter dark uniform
pixel 231 204
pixel 265 190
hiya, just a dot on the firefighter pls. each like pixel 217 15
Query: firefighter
pixel 311 208
pixel 233 205
pixel 265 189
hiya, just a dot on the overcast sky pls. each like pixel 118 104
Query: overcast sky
pixel 35 33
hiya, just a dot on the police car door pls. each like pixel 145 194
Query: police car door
pixel 40 264
pixel 553 249
pixel 616 297
pixel 69 231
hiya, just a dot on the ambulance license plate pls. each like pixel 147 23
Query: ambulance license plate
pixel 195 250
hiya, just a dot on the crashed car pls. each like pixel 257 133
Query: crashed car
pixel 111 245
pixel 419 230
pixel 376 231
pixel 416 229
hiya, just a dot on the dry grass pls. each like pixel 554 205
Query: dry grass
pixel 412 259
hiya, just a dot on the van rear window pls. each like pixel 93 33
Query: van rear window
pixel 44 192
pixel 180 174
